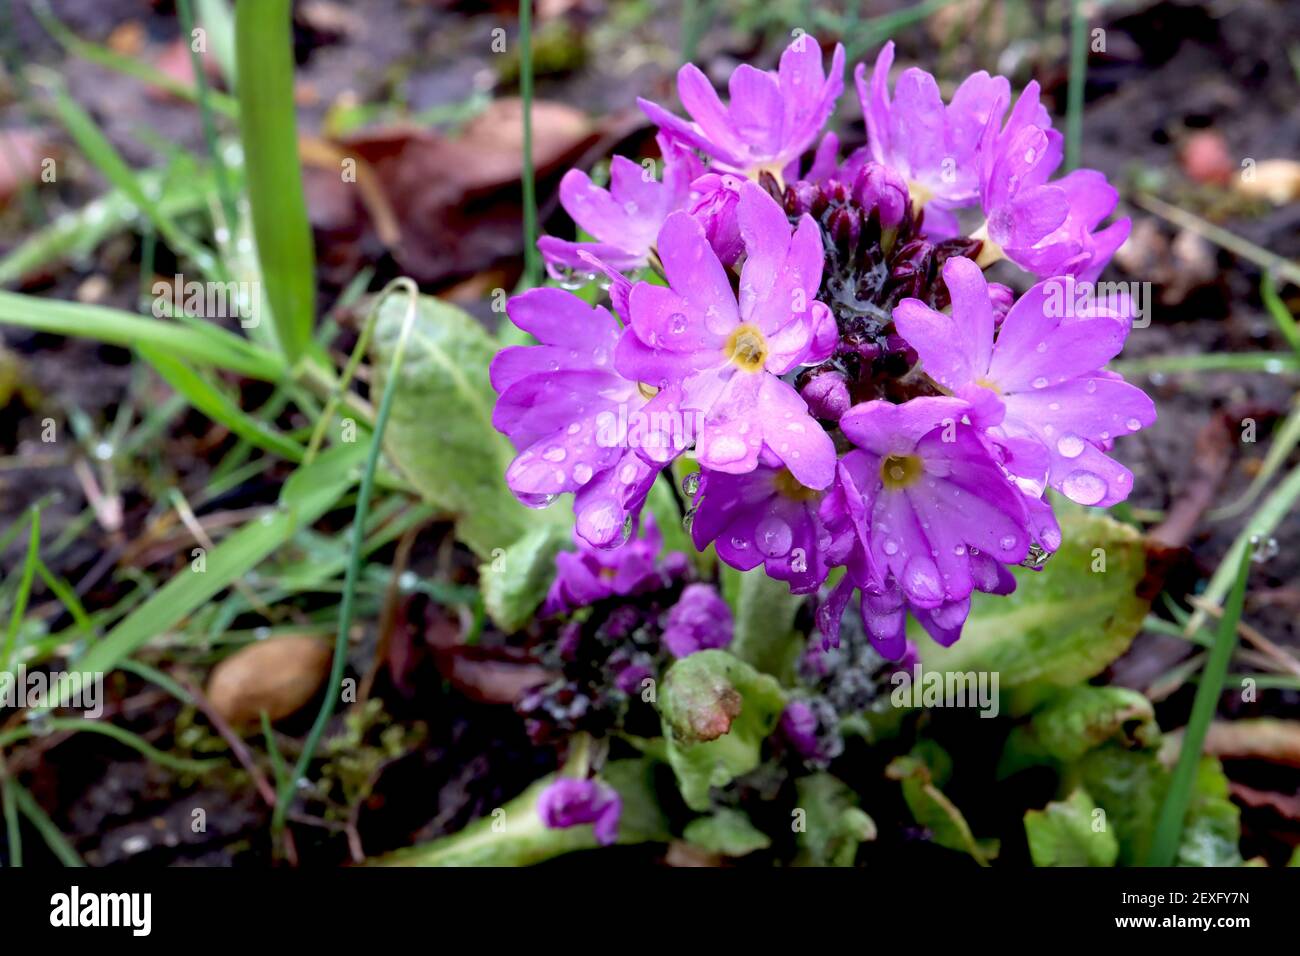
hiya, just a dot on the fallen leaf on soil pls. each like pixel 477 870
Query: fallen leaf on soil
pixel 1260 738
pixel 1277 180
pixel 1284 804
pixel 277 675
pixel 457 199
pixel 491 681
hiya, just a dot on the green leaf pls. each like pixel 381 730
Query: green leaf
pixel 516 836
pixel 934 811
pixel 1081 719
pixel 515 582
pixel 441 436
pixel 309 493
pixel 1063 624
pixel 1131 787
pixel 269 131
pixel 764 611
pixel 727 832
pixel 834 826
pixel 716 712
pixel 1063 834
pixel 1212 831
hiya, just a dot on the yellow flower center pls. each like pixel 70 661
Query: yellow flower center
pixel 991 386
pixel 899 471
pixel 747 348
pixel 647 391
pixel 788 487
pixel 920 193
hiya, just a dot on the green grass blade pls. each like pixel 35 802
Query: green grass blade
pixel 1261 524
pixel 128 66
pixel 24 593
pixel 8 786
pixel 309 493
pixel 284 794
pixel 1169 826
pixel 203 344
pixel 55 840
pixel 185 10
pixel 1273 363
pixel 1074 93
pixel 1286 322
pixel 216 405
pixel 1284 442
pixel 532 259
pixel 268 128
pixel 120 734
pixel 219 21
pixel 1270 261
pixel 67 597
pixel 75 235
pixel 98 150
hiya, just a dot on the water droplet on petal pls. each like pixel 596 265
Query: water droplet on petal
pixel 1070 446
pixel 1132 424
pixel 1084 487
pixel 582 473
pixel 1040 382
pixel 554 453
pixel 774 537
pixel 726 449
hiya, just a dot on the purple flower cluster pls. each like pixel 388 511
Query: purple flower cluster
pixel 820 335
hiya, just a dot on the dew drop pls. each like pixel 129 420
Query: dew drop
pixel 554 453
pixel 726 449
pixel 1262 549
pixel 774 537
pixel 1084 487
pixel 1040 382
pixel 1070 446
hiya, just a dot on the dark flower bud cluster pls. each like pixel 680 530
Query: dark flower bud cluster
pixel 604 659
pixel 876 256
pixel 836 684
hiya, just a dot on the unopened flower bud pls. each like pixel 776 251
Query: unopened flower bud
pixel 880 188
